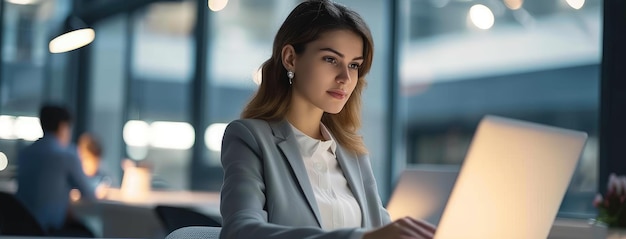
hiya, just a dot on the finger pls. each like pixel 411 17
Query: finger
pixel 422 229
pixel 424 224
pixel 405 229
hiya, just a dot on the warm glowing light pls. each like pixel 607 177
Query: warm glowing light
pixel 514 4
pixel 6 127
pixel 23 2
pixel 74 195
pixel 576 4
pixel 217 5
pixel 127 163
pixel 27 128
pixel 481 16
pixel 213 136
pixel 135 133
pixel 171 135
pixel 72 40
pixel 136 183
pixel 4 162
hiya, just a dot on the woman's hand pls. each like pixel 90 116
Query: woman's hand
pixel 404 228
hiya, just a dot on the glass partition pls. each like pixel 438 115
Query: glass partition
pixel 531 60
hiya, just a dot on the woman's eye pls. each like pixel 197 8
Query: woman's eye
pixel 330 60
pixel 355 66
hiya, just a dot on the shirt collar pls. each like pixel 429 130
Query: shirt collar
pixel 328 137
pixel 309 146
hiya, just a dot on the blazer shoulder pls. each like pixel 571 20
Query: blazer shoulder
pixel 253 125
pixel 255 133
pixel 251 122
pixel 258 129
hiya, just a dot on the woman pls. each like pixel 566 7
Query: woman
pixel 295 166
pixel 89 150
pixel 90 153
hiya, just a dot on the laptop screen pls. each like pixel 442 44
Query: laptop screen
pixel 512 181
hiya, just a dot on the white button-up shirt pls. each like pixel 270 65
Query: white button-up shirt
pixel 337 205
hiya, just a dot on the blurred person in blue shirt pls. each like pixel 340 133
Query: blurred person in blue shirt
pixel 48 169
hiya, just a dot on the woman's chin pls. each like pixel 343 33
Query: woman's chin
pixel 334 108
pixel 334 111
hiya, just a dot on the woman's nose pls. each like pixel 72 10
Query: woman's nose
pixel 344 76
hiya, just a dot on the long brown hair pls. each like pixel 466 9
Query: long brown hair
pixel 305 24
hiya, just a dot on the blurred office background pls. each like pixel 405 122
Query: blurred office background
pixel 163 78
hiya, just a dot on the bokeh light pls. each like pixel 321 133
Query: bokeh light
pixel 481 16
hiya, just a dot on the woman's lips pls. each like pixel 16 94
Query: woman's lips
pixel 337 94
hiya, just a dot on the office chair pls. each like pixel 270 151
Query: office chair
pixel 15 219
pixel 174 218
pixel 195 233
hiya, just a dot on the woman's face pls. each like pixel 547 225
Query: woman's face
pixel 327 71
pixel 90 162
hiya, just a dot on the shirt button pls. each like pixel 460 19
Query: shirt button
pixel 319 166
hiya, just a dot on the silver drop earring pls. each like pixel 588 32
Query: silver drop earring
pixel 290 76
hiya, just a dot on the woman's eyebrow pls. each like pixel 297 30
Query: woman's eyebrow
pixel 339 54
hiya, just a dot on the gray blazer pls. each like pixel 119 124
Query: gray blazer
pixel 267 193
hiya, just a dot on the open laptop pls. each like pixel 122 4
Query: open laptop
pixel 422 192
pixel 512 181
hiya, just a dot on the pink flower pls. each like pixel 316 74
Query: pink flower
pixel 597 200
pixel 612 205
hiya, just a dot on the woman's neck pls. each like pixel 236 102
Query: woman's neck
pixel 306 118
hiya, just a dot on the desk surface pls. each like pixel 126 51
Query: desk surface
pixel 152 198
pixel 119 215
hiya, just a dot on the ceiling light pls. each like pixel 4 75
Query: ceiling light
pixel 77 35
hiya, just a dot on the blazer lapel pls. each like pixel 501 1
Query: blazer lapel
pixel 351 170
pixel 289 146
